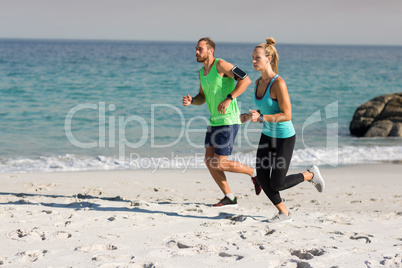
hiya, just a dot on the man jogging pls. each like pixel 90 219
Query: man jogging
pixel 218 90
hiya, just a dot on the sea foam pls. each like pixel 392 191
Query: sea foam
pixel 302 158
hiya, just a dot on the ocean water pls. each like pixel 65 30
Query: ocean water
pixel 85 105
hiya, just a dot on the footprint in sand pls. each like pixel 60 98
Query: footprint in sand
pixel 109 236
pixel 392 261
pixel 173 244
pixel 189 248
pixel 62 234
pixel 31 256
pixel 157 189
pixel 7 215
pixel 120 258
pixel 211 224
pixel 149 265
pixel 33 187
pixel 227 255
pixel 26 234
pixel 138 204
pixel 89 248
pixel 302 264
pixel 92 191
pixel 63 224
pixel 269 232
pixel 307 254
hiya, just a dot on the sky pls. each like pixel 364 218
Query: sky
pixel 354 22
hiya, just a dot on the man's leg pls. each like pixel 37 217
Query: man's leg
pixel 224 139
pixel 223 164
pixel 218 175
pixel 219 143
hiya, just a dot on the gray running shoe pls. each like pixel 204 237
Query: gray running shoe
pixel 317 179
pixel 280 218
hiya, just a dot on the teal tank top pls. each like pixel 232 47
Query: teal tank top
pixel 267 105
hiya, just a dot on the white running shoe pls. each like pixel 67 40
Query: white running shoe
pixel 280 218
pixel 317 179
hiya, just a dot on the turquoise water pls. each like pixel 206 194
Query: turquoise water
pixel 127 101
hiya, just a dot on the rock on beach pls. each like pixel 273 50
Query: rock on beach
pixel 379 117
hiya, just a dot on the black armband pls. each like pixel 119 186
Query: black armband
pixel 238 73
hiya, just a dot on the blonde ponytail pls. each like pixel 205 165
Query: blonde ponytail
pixel 270 50
pixel 270 41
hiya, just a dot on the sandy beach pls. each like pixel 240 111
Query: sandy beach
pixel 136 218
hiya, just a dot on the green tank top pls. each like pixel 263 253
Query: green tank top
pixel 216 88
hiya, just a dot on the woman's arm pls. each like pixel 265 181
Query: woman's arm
pixel 280 92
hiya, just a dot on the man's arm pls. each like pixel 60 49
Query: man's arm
pixel 199 99
pixel 225 68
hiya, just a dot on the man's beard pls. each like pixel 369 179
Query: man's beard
pixel 202 59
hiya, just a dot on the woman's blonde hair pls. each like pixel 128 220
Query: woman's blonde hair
pixel 270 50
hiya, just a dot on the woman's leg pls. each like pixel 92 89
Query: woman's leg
pixel 283 156
pixel 263 165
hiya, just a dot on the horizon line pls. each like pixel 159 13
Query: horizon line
pixel 182 41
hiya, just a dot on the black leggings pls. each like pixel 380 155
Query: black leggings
pixel 272 164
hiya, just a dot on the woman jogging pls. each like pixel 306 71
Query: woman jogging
pixel 278 137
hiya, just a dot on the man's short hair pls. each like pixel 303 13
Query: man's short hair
pixel 209 41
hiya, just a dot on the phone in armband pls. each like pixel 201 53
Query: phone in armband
pixel 238 73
